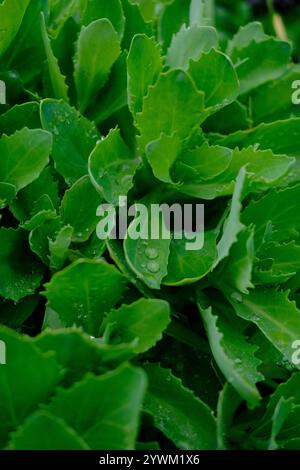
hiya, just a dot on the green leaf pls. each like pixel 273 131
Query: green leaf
pixel 190 43
pixel 277 262
pixel 202 163
pixel 112 167
pixel 21 393
pixel 229 400
pixel 92 65
pixel 11 16
pixel 286 390
pixel 265 108
pixel 144 319
pixel 60 12
pixel 229 119
pixel 31 435
pixel 274 314
pixel 20 271
pixel 113 11
pixel 263 167
pixel 7 193
pixel 214 74
pixel 74 137
pixel 41 235
pixel 113 97
pixel 245 36
pixel 75 295
pixel 162 154
pixel 282 410
pixel 20 116
pixel 236 271
pixel 276 211
pixel 31 200
pixel 275 136
pixel 58 81
pixel 274 56
pixel 232 226
pixel 234 355
pixel 144 65
pixel 147 256
pixel 187 266
pixel 182 417
pixel 77 353
pixel 59 247
pixel 107 423
pixel 78 209
pixel 26 52
pixel 93 248
pixel 180 108
pixel 14 314
pixel 23 156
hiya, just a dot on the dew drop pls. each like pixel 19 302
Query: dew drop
pixel 151 253
pixel 153 267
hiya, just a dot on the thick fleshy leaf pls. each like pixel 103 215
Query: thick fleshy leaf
pixel 275 213
pixel 180 108
pixel 58 81
pixel 202 163
pixel 21 393
pixel 274 57
pixel 78 353
pixel 20 270
pixel 190 43
pixel 24 155
pixel 214 74
pixel 31 435
pixel 58 247
pixel 109 423
pixel 274 314
pixel 144 320
pixel 83 292
pixel 20 116
pixel 11 16
pixel 79 207
pixel 74 137
pixel 182 417
pixel 14 314
pixel 32 199
pixel 189 265
pixel 112 167
pixel 113 97
pixel 277 262
pixel 147 256
pixel 236 271
pixel 162 154
pixel 234 355
pixel 144 64
pixel 92 65
pixel 232 226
